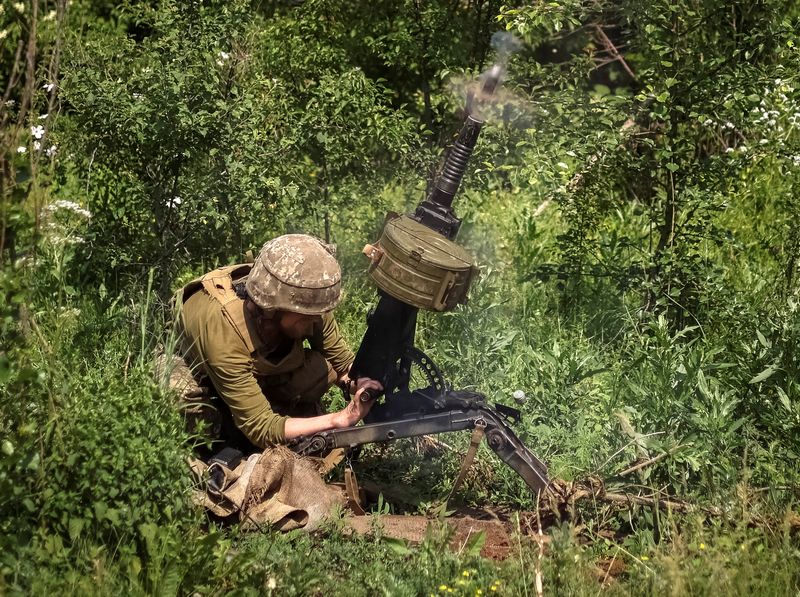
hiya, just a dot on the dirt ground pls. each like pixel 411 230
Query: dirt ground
pixel 464 523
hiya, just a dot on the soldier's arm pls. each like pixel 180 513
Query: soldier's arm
pixel 352 413
pixel 328 340
pixel 232 376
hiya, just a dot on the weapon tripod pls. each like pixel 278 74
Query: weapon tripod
pixel 432 409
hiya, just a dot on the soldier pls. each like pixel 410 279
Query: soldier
pixel 243 330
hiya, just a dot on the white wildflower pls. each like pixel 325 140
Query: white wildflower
pixel 37 132
pixel 729 125
pixel 65 205
pixel 3 34
pixel 271 584
pixel 763 141
pixel 771 122
pixel 743 149
pixel 137 96
pixel 37 146
pixel 48 87
pixel 224 55
pixel 729 150
pixel 20 6
pixel 175 201
pixel 562 165
pixel 796 160
pixel 50 16
pixel 708 122
pixel 51 151
pixel 10 104
pixel 22 149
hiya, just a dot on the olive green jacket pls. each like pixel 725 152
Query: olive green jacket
pixel 220 340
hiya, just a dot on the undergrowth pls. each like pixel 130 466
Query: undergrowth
pixel 96 491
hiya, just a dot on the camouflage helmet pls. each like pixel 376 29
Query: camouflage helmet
pixel 295 272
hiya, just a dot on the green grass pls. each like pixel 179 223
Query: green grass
pixel 95 491
pixel 97 499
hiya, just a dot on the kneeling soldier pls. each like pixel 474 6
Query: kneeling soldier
pixel 243 329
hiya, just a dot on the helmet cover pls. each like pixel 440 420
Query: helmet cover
pixel 295 272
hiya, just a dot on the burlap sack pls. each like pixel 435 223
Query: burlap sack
pixel 275 487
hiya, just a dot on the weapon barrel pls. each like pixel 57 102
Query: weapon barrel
pixel 391 326
pixel 436 210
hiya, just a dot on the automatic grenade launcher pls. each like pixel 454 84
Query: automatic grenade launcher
pixel 417 265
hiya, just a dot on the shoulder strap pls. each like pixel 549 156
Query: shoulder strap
pixel 219 286
pixel 219 283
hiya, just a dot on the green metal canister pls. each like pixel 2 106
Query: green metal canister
pixel 419 266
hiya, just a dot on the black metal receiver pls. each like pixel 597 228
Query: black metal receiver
pixel 387 351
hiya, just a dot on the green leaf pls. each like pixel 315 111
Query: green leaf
pixel 170 581
pixel 475 543
pixel 75 527
pixel 787 404
pixel 398 546
pixel 702 385
pixel 100 509
pixel 764 374
pixel 762 340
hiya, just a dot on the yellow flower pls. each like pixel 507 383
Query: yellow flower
pixel 645 558
pixel 478 593
pixel 702 546
pixel 493 588
pixel 465 573
pixel 442 587
pixel 742 547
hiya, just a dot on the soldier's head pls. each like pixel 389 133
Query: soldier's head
pixel 294 280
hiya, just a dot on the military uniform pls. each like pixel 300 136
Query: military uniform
pixel 262 378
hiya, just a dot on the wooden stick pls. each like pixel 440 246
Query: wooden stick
pixel 641 465
pixel 612 49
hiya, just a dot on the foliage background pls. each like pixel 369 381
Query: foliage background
pixel 633 203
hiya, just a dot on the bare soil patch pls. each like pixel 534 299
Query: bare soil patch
pixel 463 524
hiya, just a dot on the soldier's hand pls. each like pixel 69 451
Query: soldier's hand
pixel 357 408
pixel 367 389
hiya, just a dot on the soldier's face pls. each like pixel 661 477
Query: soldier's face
pixel 297 325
